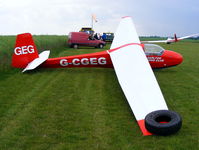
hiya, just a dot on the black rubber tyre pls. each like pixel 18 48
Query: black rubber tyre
pixel 163 122
pixel 101 46
pixel 75 46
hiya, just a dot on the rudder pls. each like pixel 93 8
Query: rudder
pixel 25 51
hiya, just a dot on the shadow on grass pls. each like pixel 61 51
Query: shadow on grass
pixel 11 71
pixel 165 70
pixel 71 70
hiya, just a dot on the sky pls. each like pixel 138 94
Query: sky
pixel 151 17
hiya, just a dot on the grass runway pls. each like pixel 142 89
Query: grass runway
pixel 84 108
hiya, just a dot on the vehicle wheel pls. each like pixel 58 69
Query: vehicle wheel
pixel 75 46
pixel 101 45
pixel 163 122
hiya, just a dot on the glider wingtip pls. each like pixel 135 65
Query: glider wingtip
pixel 141 124
pixel 126 17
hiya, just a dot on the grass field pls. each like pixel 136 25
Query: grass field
pixel 84 108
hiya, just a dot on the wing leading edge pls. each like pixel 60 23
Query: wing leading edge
pixel 134 73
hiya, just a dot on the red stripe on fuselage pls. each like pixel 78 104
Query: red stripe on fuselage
pixel 112 50
pixel 126 17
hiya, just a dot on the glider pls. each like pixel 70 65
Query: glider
pixel 175 39
pixel 128 57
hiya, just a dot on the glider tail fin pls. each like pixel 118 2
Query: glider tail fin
pixel 25 51
pixel 175 38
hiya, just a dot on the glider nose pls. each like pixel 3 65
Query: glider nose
pixel 178 59
pixel 173 58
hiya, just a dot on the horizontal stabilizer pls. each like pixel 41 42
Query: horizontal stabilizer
pixel 38 61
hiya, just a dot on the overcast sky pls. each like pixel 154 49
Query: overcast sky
pixel 151 17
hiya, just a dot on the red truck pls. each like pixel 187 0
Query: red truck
pixel 76 39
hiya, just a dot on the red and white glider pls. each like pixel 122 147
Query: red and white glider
pixel 175 39
pixel 132 68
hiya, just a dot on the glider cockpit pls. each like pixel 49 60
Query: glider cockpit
pixel 153 49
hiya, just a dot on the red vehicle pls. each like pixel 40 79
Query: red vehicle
pixel 76 39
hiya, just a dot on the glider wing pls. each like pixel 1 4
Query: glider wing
pixel 189 36
pixel 135 74
pixel 175 39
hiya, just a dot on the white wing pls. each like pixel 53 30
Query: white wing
pixel 169 40
pixel 135 74
pixel 125 33
pixel 158 41
pixel 189 36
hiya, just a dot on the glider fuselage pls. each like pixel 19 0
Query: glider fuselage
pixel 102 59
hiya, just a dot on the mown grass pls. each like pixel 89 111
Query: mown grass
pixel 84 108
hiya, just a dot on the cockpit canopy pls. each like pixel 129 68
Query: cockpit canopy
pixel 153 49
